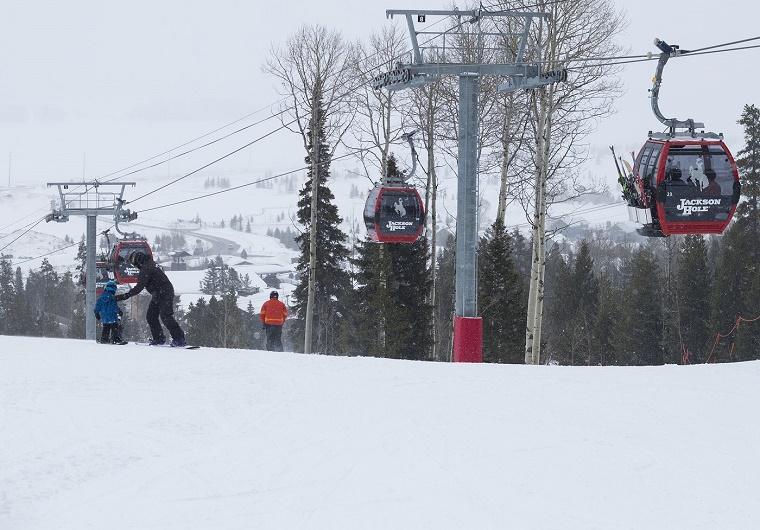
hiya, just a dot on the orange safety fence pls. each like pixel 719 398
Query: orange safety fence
pixel 718 336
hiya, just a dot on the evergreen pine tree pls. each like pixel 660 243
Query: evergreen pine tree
pixel 40 298
pixel 199 324
pixel 392 316
pixel 66 300
pixel 560 306
pixel 211 283
pixel 444 299
pixel 638 329
pixel 256 337
pixel 371 300
pixel 672 341
pixel 607 311
pixel 78 319
pixel 586 297
pixel 748 161
pixel 80 260
pixel 22 320
pixel 7 297
pixel 233 333
pixel 694 289
pixel 500 297
pixel 521 250
pixel 409 332
pixel 748 225
pixel 332 282
pixel 736 293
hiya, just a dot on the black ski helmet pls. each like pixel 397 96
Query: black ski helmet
pixel 274 294
pixel 138 259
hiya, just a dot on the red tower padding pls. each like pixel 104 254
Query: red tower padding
pixel 468 340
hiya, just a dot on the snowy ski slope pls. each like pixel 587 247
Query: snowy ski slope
pixel 134 438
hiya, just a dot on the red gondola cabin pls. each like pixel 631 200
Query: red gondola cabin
pixel 394 214
pixel 122 250
pixel 685 186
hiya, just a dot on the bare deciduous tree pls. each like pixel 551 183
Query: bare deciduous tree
pixel 561 116
pixel 425 110
pixel 379 121
pixel 315 71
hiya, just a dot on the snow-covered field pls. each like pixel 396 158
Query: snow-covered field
pixel 269 208
pixel 137 438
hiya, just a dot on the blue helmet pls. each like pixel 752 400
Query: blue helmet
pixel 110 286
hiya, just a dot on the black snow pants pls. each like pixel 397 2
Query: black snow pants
pixel 110 333
pixel 162 305
pixel 274 337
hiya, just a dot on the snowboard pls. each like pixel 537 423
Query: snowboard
pixel 167 345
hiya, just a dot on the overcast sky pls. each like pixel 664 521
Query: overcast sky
pixel 101 85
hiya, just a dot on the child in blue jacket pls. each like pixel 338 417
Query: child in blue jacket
pixel 107 312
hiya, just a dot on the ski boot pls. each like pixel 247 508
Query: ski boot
pixel 157 342
pixel 178 343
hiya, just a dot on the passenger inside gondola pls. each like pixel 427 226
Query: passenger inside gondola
pixel 674 174
pixel 713 188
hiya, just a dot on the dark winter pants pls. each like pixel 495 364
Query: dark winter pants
pixel 162 305
pixel 274 337
pixel 110 333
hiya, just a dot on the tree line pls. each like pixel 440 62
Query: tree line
pixel 608 303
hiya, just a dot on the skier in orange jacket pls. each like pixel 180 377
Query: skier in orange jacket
pixel 273 315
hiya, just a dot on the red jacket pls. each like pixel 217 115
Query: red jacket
pixel 273 312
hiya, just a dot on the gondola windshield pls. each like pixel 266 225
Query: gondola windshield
pixel 698 184
pixel 399 213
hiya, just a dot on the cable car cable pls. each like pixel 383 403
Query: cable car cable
pixel 199 138
pixel 365 59
pixel 281 127
pixel 699 51
pixel 9 234
pixel 251 125
pixel 45 255
pixel 212 142
pixel 23 234
pixel 265 179
pixel 227 155
pixel 57 250
pixel 722 45
pixel 656 57
pixel 280 113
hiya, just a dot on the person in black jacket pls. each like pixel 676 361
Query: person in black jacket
pixel 154 280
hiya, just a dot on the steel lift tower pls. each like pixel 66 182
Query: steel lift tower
pixel 428 64
pixel 90 202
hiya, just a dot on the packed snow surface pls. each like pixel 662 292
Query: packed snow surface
pixel 132 437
